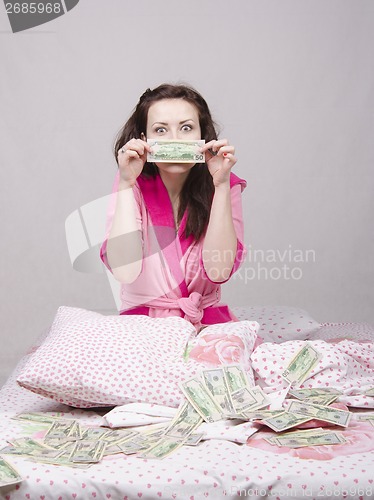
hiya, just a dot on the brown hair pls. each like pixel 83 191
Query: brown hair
pixel 198 189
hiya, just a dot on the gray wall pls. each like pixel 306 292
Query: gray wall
pixel 292 84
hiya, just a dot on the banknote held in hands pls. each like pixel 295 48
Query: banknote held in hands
pixel 175 151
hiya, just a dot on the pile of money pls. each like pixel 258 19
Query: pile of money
pixel 215 394
pixel 175 151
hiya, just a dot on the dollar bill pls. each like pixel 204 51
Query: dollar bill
pixel 29 447
pixel 247 399
pixel 134 445
pixel 236 377
pixel 365 416
pixel 162 448
pixel 370 392
pixel 194 439
pixel 216 383
pixel 117 436
pixel 184 423
pixel 295 433
pixel 63 429
pixel 301 365
pixel 8 474
pixel 284 421
pixel 41 418
pixel 320 396
pixel 175 151
pixel 87 451
pixel 325 413
pixel 314 392
pixel 322 400
pixel 324 438
pixel 201 400
pixel 261 414
pixel 95 433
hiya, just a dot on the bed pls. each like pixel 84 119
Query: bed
pixel 216 468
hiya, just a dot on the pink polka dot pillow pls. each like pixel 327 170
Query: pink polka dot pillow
pixel 91 360
pixel 279 323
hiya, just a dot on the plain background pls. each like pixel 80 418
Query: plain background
pixel 291 84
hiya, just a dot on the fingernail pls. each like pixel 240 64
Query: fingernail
pixel 224 154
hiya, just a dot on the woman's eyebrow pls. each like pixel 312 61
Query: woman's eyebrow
pixel 180 123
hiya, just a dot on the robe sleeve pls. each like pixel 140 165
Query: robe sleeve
pixel 110 215
pixel 237 186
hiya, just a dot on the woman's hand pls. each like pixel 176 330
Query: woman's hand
pixel 131 159
pixel 221 161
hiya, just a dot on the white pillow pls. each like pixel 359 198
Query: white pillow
pixel 279 323
pixel 91 360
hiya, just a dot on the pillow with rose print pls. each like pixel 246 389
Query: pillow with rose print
pixel 92 360
pixel 225 344
pixel 279 323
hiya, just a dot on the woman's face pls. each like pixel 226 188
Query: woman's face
pixel 173 119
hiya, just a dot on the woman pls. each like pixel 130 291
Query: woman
pixel 174 230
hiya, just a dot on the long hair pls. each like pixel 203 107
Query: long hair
pixel 198 189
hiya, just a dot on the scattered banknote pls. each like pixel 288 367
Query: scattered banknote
pixel 8 474
pixel 365 416
pixel 294 433
pixel 87 451
pixel 194 439
pixel 198 395
pixel 247 399
pixel 314 392
pixel 301 365
pixel 325 413
pixel 261 414
pixel 216 383
pixel 313 439
pixel 284 421
pixel 162 448
pixel 323 396
pixel 184 423
pixel 42 418
pixel 236 377
pixel 68 430
pixel 175 151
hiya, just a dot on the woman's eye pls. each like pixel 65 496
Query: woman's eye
pixel 186 128
pixel 160 130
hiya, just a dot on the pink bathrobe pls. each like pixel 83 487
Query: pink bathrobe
pixel 173 281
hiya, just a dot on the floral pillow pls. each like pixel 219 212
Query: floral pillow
pixel 92 360
pixel 222 344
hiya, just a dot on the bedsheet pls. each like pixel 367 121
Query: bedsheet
pixel 215 469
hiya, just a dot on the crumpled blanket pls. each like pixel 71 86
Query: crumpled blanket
pixel 141 414
pixel 345 365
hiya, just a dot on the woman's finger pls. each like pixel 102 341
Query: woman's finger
pixel 225 150
pixel 129 153
pixel 214 145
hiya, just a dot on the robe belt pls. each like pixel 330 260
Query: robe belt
pixel 192 306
